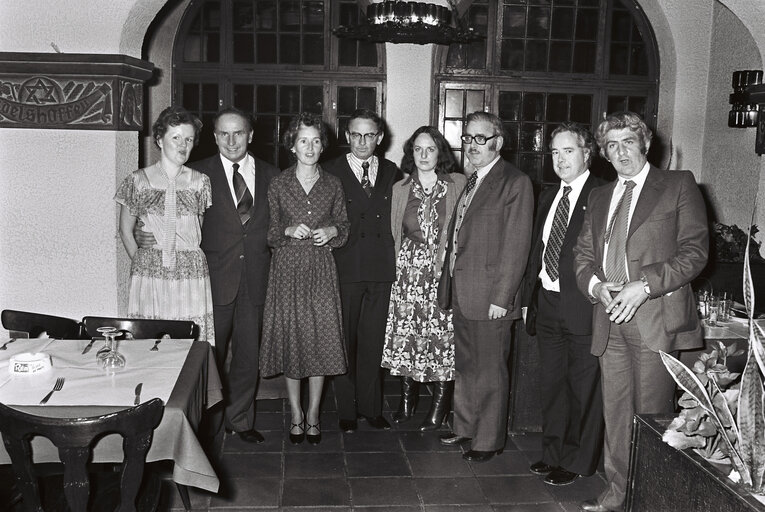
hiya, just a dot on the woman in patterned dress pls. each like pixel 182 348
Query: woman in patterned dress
pixel 419 337
pixel 302 320
pixel 170 280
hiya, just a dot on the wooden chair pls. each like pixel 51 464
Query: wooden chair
pixel 142 328
pixel 74 438
pixel 24 324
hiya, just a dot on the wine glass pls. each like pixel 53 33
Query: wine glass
pixel 108 358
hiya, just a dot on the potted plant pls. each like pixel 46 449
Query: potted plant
pixel 722 417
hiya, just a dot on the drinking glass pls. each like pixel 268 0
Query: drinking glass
pixel 108 357
pixel 725 304
pixel 713 307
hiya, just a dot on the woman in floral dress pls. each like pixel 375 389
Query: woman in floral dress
pixel 302 320
pixel 169 281
pixel 419 337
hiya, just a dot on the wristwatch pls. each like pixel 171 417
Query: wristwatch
pixel 646 288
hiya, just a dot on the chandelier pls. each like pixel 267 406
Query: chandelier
pixel 395 21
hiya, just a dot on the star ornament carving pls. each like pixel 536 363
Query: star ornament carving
pixel 40 91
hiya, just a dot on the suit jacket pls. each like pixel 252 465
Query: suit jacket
pixel 401 189
pixel 493 244
pixel 231 248
pixel 368 254
pixel 668 243
pixel 576 309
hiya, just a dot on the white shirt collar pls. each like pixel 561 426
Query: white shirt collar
pixel 483 171
pixel 639 178
pixel 578 184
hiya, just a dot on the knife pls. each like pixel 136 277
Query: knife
pixel 88 346
pixel 137 400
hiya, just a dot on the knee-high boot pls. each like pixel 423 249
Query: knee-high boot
pixel 439 408
pixel 409 389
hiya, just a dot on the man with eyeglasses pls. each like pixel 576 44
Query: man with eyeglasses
pixel 366 269
pixel 490 237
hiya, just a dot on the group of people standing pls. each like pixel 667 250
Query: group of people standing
pixel 341 268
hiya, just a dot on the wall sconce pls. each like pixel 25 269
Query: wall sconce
pixel 744 112
pixel 396 21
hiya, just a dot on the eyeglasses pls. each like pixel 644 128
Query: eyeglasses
pixel 368 137
pixel 479 139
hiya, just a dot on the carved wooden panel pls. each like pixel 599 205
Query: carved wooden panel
pixel 72 91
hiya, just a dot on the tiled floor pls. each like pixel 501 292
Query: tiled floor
pixel 399 470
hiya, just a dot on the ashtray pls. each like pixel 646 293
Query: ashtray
pixel 28 363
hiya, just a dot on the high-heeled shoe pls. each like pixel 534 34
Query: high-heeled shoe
pixel 297 438
pixel 408 402
pixel 313 438
pixel 439 408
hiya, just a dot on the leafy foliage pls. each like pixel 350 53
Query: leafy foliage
pixel 723 413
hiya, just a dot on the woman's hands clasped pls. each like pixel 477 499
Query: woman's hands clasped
pixel 320 236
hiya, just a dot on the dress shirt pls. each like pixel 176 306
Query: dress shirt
pixel 355 164
pixel 576 190
pixel 246 169
pixel 639 181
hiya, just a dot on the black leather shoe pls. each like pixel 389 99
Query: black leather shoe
pixel 348 426
pixel 251 436
pixel 314 439
pixel 377 422
pixel 479 456
pixel 452 438
pixel 297 438
pixel 540 468
pixel 560 476
pixel 592 506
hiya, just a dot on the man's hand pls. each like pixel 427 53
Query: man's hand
pixel 626 303
pixel 604 290
pixel 496 312
pixel 144 239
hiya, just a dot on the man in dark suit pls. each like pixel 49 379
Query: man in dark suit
pixel 644 240
pixel 234 242
pixel 490 236
pixel 366 268
pixel 561 316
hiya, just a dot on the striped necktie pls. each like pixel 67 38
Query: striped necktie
pixel 616 237
pixel 557 234
pixel 365 183
pixel 243 196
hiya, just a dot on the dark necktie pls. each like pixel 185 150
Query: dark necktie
pixel 243 196
pixel 472 180
pixel 365 183
pixel 616 237
pixel 557 234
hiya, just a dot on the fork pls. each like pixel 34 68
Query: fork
pixel 5 345
pixel 56 387
pixel 154 348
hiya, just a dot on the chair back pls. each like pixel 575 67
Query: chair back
pixel 73 437
pixel 24 324
pixel 142 328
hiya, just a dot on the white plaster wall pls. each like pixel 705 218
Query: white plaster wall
pixel 730 173
pixel 408 100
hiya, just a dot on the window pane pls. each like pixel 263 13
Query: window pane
pixel 243 16
pixel 346 100
pixel 289 101
pixel 266 48
pixel 539 22
pixel 560 56
pixel 513 140
pixel 313 16
pixel 532 137
pixel 266 14
pixel 581 109
pixel 210 97
pixel 514 22
pixel 367 98
pixel 562 23
pixel 619 59
pixel 346 52
pixel 367 54
pixel 533 107
pixel 510 106
pixel 587 24
pixel 453 132
pixel 557 108
pixel 313 100
pixel 191 97
pixel 637 105
pixel 621 25
pixel 474 101
pixel 616 104
pixel 536 55
pixel 638 60
pixel 212 48
pixel 243 48
pixel 244 97
pixel 512 55
pixel 289 15
pixel 531 164
pixel 289 49
pixel 266 98
pixel 584 58
pixel 313 49
pixel 453 103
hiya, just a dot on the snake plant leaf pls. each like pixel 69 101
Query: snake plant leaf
pixel 751 423
pixel 748 284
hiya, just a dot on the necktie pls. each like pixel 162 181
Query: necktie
pixel 365 183
pixel 616 237
pixel 472 180
pixel 243 196
pixel 557 233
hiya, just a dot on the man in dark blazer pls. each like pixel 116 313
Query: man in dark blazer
pixel 644 240
pixel 561 316
pixel 490 237
pixel 366 268
pixel 234 242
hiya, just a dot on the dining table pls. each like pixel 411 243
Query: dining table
pixel 181 372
